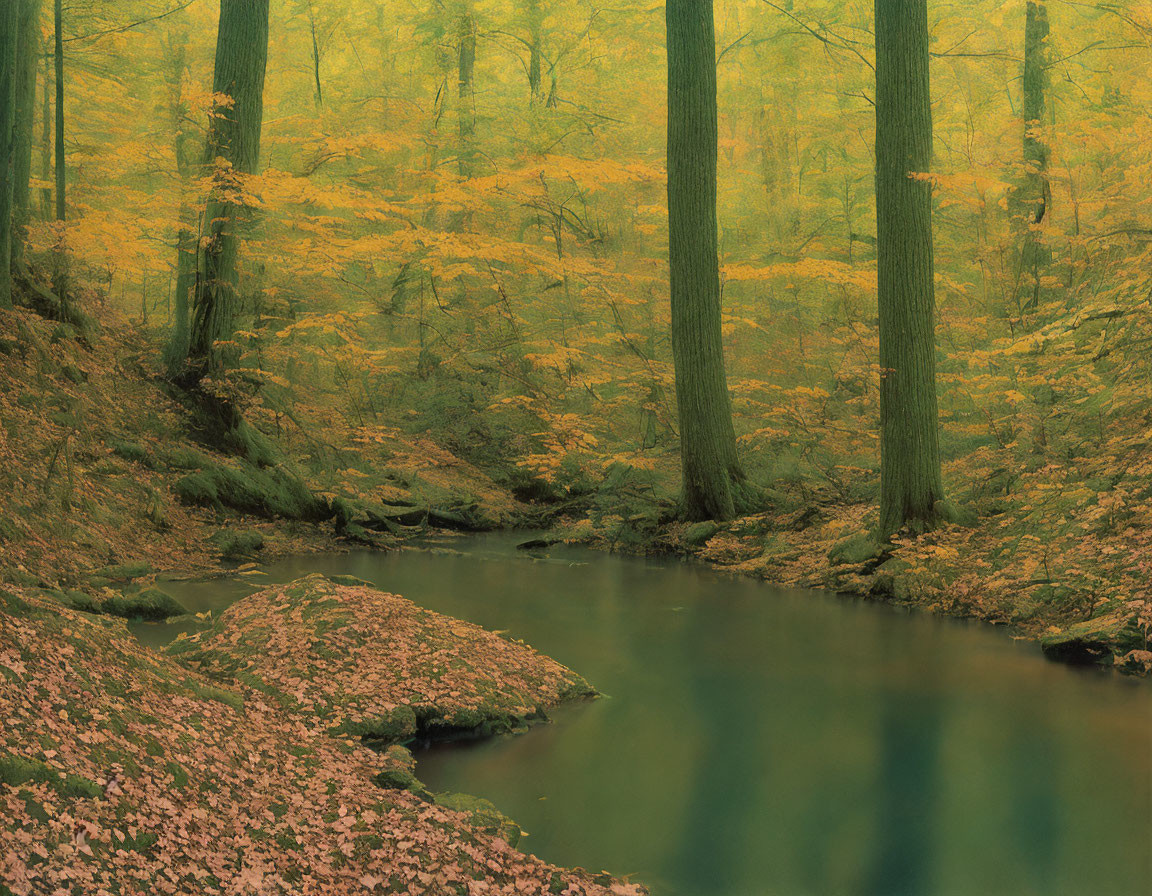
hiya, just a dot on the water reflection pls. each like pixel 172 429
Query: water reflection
pixel 759 741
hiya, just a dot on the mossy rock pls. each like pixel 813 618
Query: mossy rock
pixel 269 493
pixel 698 534
pixel 77 600
pixel 957 514
pixel 398 727
pixel 151 604
pixel 890 580
pixel 125 572
pixel 237 545
pixel 1096 640
pixel 16 770
pixel 856 550
pixel 351 581
pixel 482 815
pixel 401 779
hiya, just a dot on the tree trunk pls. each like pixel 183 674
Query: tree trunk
pixel 9 53
pixel 910 479
pixel 178 111
pixel 1034 198
pixel 315 56
pixel 466 121
pixel 712 474
pixel 233 149
pixel 46 140
pixel 59 30
pixel 465 108
pixel 534 73
pixel 26 64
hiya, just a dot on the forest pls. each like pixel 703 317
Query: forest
pixel 780 367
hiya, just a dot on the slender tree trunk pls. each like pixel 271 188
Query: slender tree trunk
pixel 46 139
pixel 315 56
pixel 178 111
pixel 712 475
pixel 26 64
pixel 465 108
pixel 58 19
pixel 466 121
pixel 535 21
pixel 233 149
pixel 9 53
pixel 1034 197
pixel 910 479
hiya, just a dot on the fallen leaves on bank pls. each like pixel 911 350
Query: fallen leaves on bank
pixel 125 772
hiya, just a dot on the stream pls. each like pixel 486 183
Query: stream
pixel 758 741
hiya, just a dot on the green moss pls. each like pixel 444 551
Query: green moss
pixel 399 726
pixel 268 493
pixel 181 458
pixel 401 779
pixel 142 843
pixel 856 550
pixel 698 534
pixel 179 775
pixel 125 572
pixel 20 577
pixel 151 604
pixel 482 815
pixel 228 698
pixel 234 545
pixel 16 770
pixel 1096 640
pixel 33 807
pixel 351 581
pixel 133 452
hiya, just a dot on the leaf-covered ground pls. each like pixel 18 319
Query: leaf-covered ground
pixel 124 771
pixel 358 660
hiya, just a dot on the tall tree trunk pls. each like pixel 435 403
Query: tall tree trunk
pixel 910 479
pixel 26 64
pixel 58 20
pixel 46 139
pixel 535 21
pixel 466 120
pixel 465 107
pixel 1034 198
pixel 712 475
pixel 315 56
pixel 233 149
pixel 178 112
pixel 9 53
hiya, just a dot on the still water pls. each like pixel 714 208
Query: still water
pixel 756 741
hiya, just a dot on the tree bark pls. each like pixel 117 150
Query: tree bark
pixel 466 120
pixel 233 148
pixel 9 53
pixel 910 478
pixel 58 20
pixel 713 478
pixel 1034 198
pixel 315 56
pixel 26 64
pixel 535 21
pixel 178 111
pixel 46 140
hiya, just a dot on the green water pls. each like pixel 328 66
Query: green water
pixel 766 741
